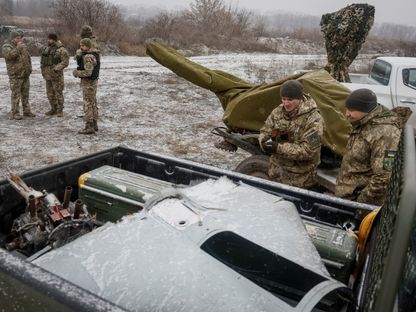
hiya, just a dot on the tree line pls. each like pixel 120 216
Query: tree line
pixel 212 23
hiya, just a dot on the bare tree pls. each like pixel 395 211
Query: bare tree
pixel 236 22
pixel 206 14
pixel 6 7
pixel 36 8
pixel 104 17
pixel 259 28
pixel 161 26
pixel 213 23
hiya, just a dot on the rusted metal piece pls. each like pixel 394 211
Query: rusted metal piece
pixel 67 197
pixel 32 206
pixel 78 208
pixel 21 187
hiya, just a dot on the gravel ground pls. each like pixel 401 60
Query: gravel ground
pixel 142 105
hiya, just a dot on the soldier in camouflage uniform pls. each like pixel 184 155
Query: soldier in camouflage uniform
pixel 88 70
pixel 86 32
pixel 371 149
pixel 295 128
pixel 19 68
pixel 54 58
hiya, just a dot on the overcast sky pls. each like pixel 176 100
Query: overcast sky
pixel 396 11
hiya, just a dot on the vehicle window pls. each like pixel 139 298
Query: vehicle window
pixel 381 72
pixel 409 77
pixel 280 276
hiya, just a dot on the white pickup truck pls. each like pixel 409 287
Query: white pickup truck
pixel 393 79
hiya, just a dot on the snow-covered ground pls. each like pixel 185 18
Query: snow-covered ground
pixel 142 105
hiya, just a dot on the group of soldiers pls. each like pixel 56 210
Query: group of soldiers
pixel 54 59
pixel 371 148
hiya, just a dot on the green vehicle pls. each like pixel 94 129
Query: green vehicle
pixel 246 107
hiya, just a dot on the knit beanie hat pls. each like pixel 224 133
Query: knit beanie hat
pixel 362 100
pixel 292 89
pixel 53 37
pixel 86 42
pixel 15 33
pixel 86 31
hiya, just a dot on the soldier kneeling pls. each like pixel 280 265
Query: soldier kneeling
pixel 296 150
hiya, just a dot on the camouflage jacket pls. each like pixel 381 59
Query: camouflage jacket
pixel 298 153
pixel 94 47
pixel 53 61
pixel 89 61
pixel 371 148
pixel 18 61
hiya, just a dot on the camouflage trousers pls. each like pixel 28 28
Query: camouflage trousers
pixel 20 92
pixel 89 94
pixel 304 180
pixel 54 92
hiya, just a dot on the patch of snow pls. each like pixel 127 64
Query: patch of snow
pixel 141 105
pixel 142 262
pixel 122 188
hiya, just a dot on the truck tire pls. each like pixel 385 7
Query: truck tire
pixel 256 166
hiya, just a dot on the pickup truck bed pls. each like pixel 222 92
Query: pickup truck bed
pixel 34 288
pixel 55 178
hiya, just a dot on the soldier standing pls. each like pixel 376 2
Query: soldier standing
pixel 19 68
pixel 86 32
pixel 295 128
pixel 371 149
pixel 53 60
pixel 88 70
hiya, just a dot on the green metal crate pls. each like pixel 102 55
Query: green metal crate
pixel 337 248
pixel 112 193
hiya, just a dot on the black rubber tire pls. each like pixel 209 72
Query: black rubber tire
pixel 256 166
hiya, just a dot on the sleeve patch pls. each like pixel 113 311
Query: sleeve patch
pixel 389 156
pixel 314 139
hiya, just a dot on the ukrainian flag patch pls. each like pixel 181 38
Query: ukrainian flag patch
pixel 388 160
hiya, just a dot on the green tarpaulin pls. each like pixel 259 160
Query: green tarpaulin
pixel 247 106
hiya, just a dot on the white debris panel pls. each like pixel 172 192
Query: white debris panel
pixel 152 260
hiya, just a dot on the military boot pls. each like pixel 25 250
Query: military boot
pixel 89 128
pixel 59 110
pixel 17 116
pixel 29 114
pixel 95 125
pixel 51 112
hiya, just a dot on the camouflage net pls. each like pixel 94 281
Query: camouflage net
pixel 407 293
pixel 390 213
pixel 344 32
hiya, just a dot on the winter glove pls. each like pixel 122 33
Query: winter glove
pixel 269 147
pixel 75 73
pixel 21 46
pixel 44 50
pixel 78 55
